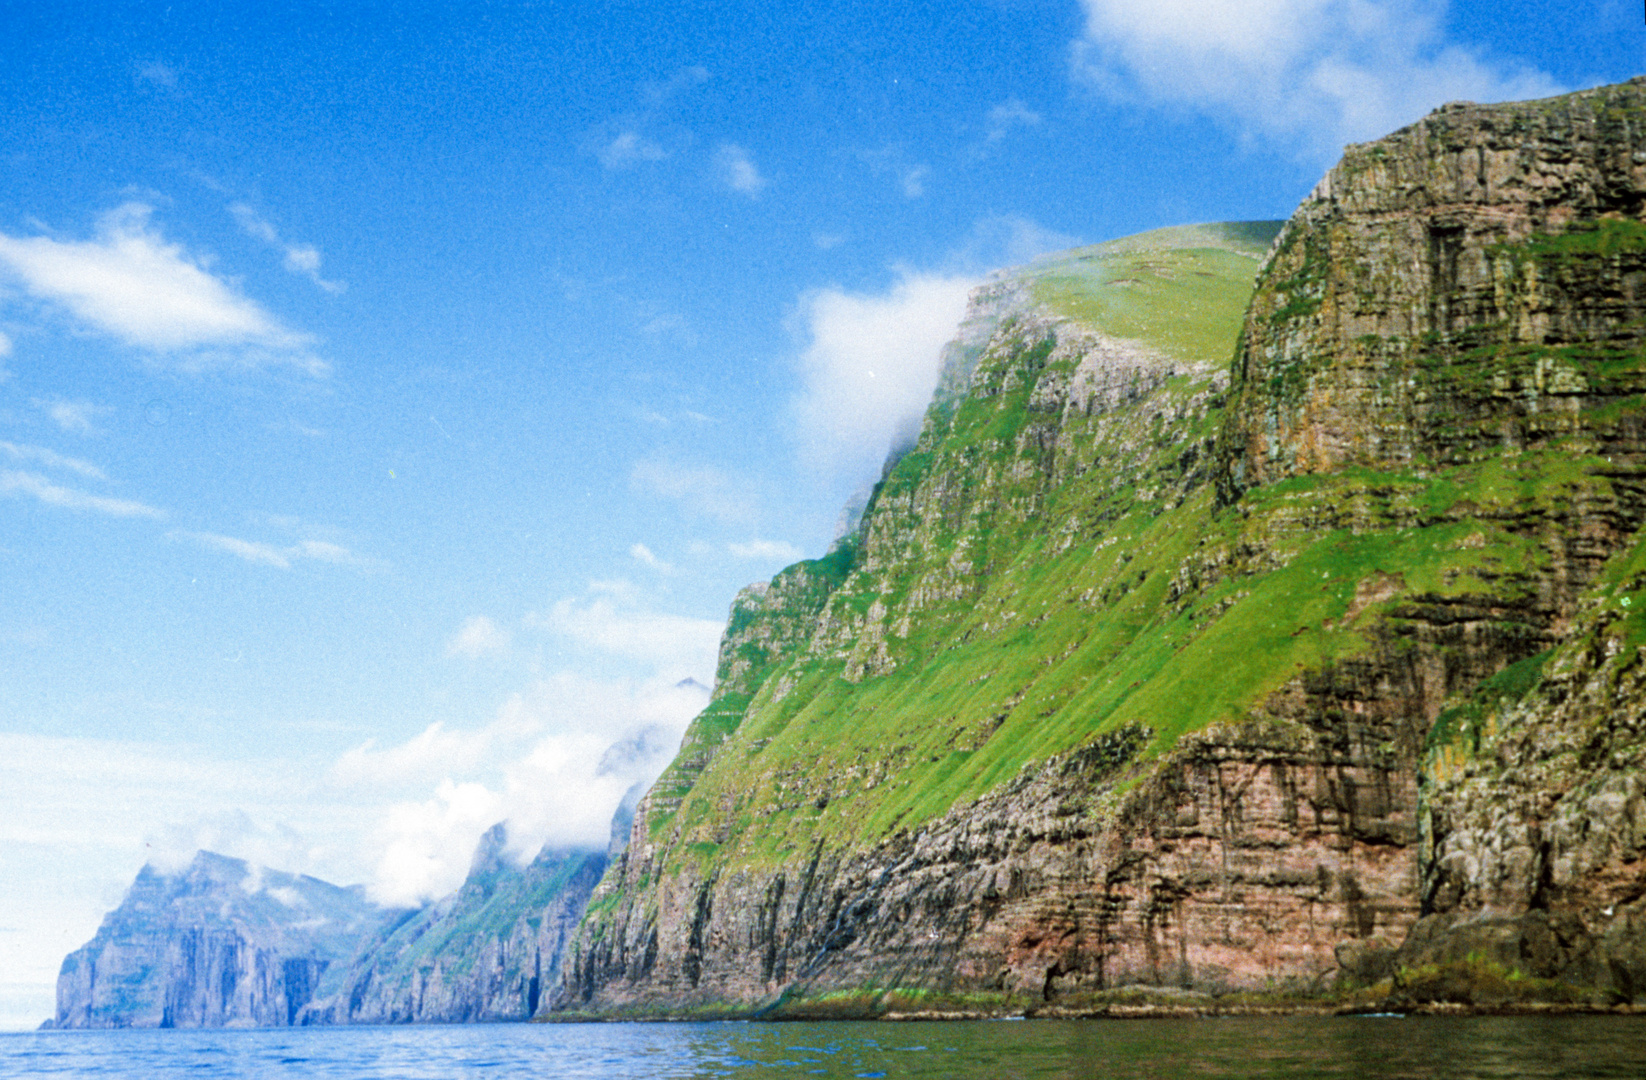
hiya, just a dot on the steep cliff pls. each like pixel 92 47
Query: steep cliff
pixel 218 944
pixel 490 951
pixel 1126 682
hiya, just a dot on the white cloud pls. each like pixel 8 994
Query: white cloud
pixel 553 763
pixel 281 557
pixel 250 550
pixel 16 482
pixel 171 845
pixel 870 365
pixel 629 148
pixel 82 815
pixel 51 460
pixel 828 241
pixel 737 170
pixel 1007 115
pixel 5 346
pixel 299 258
pixel 75 417
pixel 702 491
pixel 891 160
pixel 477 637
pixel 425 758
pixel 643 554
pixel 766 551
pixel 1009 240
pixel 613 621
pixel 1322 72
pixel 134 285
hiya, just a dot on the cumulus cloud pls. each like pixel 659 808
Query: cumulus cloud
pixel 75 417
pixel 870 365
pixel 299 258
pixel 18 482
pixel 766 551
pixel 134 285
pixel 280 556
pixel 1320 72
pixel 629 148
pixel 51 460
pixel 702 491
pixel 736 170
pixel 477 637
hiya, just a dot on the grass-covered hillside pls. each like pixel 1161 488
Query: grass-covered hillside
pixel 1007 595
pixel 1210 539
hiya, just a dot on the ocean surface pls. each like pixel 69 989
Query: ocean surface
pixel 1382 1047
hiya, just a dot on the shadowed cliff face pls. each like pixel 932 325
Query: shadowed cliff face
pixel 1126 682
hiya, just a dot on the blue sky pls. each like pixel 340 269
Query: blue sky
pixel 391 402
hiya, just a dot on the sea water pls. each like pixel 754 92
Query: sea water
pixel 1381 1047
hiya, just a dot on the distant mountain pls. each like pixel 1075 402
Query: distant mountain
pixel 217 944
pixel 224 944
pixel 490 951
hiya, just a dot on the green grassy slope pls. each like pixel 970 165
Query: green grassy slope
pixel 1029 580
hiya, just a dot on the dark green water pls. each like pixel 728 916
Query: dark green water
pixel 1383 1048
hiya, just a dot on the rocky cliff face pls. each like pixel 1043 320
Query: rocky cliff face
pixel 1472 284
pixel 216 944
pixel 1141 672
pixel 490 951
